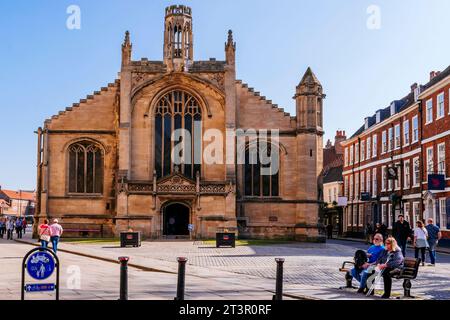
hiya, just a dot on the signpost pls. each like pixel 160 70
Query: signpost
pixel 40 264
pixel 190 228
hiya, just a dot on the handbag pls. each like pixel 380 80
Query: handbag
pixel 45 237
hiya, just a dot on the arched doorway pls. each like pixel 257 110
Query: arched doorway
pixel 176 219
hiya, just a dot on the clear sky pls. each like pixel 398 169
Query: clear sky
pixel 45 67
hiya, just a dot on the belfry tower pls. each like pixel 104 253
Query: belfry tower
pixel 178 38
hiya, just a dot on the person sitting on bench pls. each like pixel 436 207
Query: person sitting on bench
pixel 362 272
pixel 391 260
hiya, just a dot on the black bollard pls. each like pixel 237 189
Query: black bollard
pixel 123 278
pixel 279 284
pixel 181 275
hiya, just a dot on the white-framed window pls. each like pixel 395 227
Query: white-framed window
pixel 346 156
pixel 374 145
pixel 416 213
pixel 390 182
pixel 397 136
pixel 374 182
pixel 335 196
pixel 399 175
pixel 440 106
pixel 406 132
pixel 350 191
pixel 429 111
pixel 389 216
pixel 351 154
pixel 357 152
pixel 346 186
pixel 407 211
pixel 391 138
pixel 430 161
pixel 442 213
pixel 415 129
pixel 383 213
pixel 441 158
pixel 369 148
pixel 357 185
pixel 383 178
pixel 361 215
pixel 363 150
pixel 406 175
pixel 416 172
pixel 368 181
pixel 363 181
pixel 355 215
pixel 383 142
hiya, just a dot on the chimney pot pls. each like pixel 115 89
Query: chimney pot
pixel 432 74
pixel 414 86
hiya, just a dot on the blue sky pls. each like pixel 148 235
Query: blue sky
pixel 45 67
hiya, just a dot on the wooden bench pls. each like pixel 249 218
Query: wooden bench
pixel 407 273
pixel 82 230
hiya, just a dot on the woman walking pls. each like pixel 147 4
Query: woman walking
pixel 44 233
pixel 420 240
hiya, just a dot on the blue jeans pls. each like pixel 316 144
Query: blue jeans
pixel 54 241
pixel 361 277
pixel 44 244
pixel 432 250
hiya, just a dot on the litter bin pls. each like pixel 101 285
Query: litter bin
pixel 224 239
pixel 130 239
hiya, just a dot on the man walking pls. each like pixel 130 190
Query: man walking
pixel 401 232
pixel 434 235
pixel 24 225
pixel 55 233
pixel 19 228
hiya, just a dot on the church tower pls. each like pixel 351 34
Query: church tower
pixel 178 38
pixel 309 100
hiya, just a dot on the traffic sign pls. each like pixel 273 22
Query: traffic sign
pixel 40 265
pixel 40 287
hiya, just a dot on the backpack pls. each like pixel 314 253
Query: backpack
pixel 360 258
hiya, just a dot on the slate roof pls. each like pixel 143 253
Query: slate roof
pixel 332 174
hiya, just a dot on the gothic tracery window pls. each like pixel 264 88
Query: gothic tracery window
pixel 178 110
pixel 257 184
pixel 85 168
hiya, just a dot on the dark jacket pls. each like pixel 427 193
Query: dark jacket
pixel 396 259
pixel 401 231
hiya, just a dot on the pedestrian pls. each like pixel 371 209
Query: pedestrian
pixel 420 240
pixel 2 227
pixel 24 225
pixel 9 229
pixel 56 231
pixel 390 261
pixel 44 233
pixel 369 233
pixel 434 235
pixel 382 229
pixel 330 231
pixel 401 231
pixel 19 228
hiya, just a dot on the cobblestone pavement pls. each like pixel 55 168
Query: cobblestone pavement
pixel 310 269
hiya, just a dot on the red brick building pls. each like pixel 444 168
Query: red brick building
pixel 387 161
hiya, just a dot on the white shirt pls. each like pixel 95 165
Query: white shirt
pixel 420 233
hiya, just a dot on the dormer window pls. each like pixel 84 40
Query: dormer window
pixel 392 108
pixel 378 116
pixel 366 124
pixel 416 93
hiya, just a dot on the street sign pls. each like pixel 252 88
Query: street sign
pixel 365 196
pixel 436 182
pixel 40 287
pixel 40 265
pixel 190 227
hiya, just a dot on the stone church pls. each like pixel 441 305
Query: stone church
pixel 105 164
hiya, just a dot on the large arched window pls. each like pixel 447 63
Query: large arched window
pixel 85 168
pixel 178 110
pixel 261 180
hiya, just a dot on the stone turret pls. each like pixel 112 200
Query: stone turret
pixel 126 50
pixel 178 38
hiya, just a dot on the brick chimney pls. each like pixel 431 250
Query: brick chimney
pixel 434 74
pixel 340 136
pixel 414 86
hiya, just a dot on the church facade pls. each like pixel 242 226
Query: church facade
pixel 107 164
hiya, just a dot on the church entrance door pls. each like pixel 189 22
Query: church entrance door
pixel 176 220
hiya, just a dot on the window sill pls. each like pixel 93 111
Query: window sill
pixel 84 195
pixel 441 117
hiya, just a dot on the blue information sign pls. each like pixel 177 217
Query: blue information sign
pixel 40 265
pixel 40 287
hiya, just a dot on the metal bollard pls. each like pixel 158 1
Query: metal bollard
pixel 279 284
pixel 181 275
pixel 123 278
